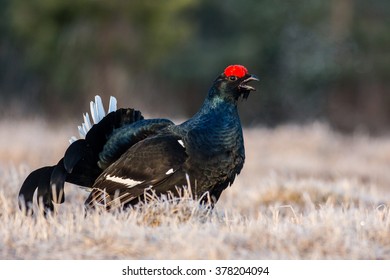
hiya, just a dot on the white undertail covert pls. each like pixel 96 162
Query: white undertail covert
pixel 97 114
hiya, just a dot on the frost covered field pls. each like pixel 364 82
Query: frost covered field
pixel 304 193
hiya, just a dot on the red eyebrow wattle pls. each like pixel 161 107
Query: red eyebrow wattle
pixel 235 70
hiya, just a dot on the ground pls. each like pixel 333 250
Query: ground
pixel 306 192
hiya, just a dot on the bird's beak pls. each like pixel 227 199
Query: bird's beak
pixel 244 84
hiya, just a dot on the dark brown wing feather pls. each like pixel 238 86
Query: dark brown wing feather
pixel 154 163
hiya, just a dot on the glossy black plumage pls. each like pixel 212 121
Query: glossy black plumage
pixel 125 156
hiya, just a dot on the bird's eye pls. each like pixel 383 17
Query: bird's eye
pixel 232 78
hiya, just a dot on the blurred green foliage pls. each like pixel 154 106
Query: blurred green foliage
pixel 316 59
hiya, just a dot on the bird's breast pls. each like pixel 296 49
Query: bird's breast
pixel 215 142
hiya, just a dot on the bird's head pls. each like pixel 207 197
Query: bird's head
pixel 233 83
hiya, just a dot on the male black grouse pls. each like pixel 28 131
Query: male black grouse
pixel 124 156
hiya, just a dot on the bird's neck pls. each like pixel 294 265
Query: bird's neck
pixel 215 112
pixel 215 102
pixel 217 105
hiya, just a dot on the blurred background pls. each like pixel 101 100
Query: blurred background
pixel 317 60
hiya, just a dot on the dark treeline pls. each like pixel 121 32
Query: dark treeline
pixel 327 60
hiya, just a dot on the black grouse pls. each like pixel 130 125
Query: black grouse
pixel 124 156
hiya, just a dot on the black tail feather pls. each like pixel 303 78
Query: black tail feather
pixel 57 182
pixel 74 154
pixel 40 179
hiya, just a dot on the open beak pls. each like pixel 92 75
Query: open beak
pixel 244 84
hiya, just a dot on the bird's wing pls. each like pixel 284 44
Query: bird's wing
pixel 154 163
pixel 126 136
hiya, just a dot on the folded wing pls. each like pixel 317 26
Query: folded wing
pixel 154 164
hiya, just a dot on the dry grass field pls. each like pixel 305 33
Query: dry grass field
pixel 305 192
